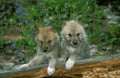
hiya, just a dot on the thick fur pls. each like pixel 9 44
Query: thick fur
pixel 74 43
pixel 47 49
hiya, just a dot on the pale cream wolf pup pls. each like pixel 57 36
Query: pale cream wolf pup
pixel 74 43
pixel 47 49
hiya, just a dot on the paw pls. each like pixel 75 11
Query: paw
pixel 69 64
pixel 24 66
pixel 50 70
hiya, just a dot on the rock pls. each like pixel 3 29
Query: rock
pixel 7 66
pixel 1 70
pixel 16 67
pixel 93 49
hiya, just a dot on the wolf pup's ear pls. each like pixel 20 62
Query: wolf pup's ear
pixel 52 29
pixel 63 24
pixel 79 22
pixel 39 26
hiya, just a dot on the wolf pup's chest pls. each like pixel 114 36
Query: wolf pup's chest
pixel 70 49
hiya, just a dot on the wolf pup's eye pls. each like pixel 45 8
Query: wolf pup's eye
pixel 41 42
pixel 78 34
pixel 69 35
pixel 49 41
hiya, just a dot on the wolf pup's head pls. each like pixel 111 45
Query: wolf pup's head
pixel 46 38
pixel 73 33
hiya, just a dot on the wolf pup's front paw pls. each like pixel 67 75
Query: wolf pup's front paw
pixel 69 64
pixel 24 66
pixel 50 70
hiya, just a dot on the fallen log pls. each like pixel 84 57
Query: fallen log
pixel 101 67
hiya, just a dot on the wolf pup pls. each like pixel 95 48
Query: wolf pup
pixel 47 49
pixel 74 43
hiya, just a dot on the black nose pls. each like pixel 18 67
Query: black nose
pixel 45 49
pixel 75 43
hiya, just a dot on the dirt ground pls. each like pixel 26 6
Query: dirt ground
pixel 98 69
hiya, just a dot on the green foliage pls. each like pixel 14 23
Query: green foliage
pixel 6 13
pixel 113 34
pixel 54 13
pixel 28 13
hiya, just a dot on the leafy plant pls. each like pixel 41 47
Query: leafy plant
pixel 28 13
